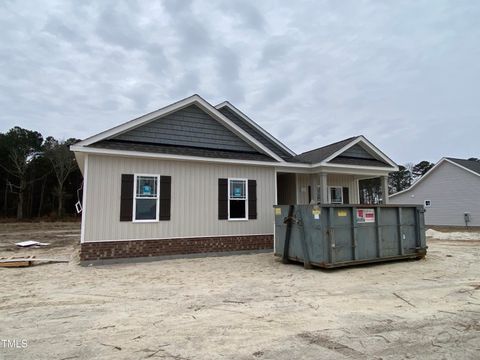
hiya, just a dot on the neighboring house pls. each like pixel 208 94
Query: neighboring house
pixel 448 191
pixel 197 178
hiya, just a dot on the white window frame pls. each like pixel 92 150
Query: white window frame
pixel 425 203
pixel 330 194
pixel 246 199
pixel 135 199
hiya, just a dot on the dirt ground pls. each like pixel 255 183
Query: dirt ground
pixel 237 307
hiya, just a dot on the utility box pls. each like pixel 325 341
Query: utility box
pixel 331 236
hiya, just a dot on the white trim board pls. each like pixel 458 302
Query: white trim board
pixel 191 100
pixel 285 166
pixel 84 199
pixel 441 161
pixel 141 154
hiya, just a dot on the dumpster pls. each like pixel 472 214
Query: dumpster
pixel 331 236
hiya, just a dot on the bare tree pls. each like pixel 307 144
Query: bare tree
pixel 63 164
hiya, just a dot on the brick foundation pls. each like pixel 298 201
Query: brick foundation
pixel 91 251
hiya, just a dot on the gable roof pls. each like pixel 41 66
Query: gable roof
pixel 336 154
pixel 191 134
pixel 470 166
pixel 250 126
pixel 319 154
pixel 191 100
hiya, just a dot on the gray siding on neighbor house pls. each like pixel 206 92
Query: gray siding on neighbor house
pixel 190 127
pixel 452 192
pixel 194 199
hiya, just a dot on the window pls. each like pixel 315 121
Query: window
pixel 237 199
pixel 146 201
pixel 427 203
pixel 336 194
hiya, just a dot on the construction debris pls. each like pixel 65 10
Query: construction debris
pixel 29 243
pixel 16 261
pixel 26 261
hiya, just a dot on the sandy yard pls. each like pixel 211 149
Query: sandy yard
pixel 237 307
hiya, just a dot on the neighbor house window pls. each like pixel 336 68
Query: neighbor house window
pixel 146 201
pixel 336 195
pixel 428 203
pixel 237 199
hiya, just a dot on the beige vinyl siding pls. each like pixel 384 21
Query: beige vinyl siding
pixel 304 180
pixel 452 192
pixel 194 206
pixel 345 181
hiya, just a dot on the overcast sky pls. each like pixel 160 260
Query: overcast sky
pixel 406 74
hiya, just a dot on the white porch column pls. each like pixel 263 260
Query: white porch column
pixel 384 187
pixel 323 188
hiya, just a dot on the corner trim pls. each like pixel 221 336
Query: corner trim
pixel 84 199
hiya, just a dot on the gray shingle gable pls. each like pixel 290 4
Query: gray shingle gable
pixel 190 127
pixel 355 155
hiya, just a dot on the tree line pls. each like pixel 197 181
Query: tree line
pixel 371 191
pixel 39 176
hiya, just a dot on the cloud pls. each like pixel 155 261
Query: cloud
pixel 246 14
pixel 406 74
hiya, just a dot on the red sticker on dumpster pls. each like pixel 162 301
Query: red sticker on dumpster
pixel 365 215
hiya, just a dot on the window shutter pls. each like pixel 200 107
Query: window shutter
pixel 222 199
pixel 346 199
pixel 165 197
pixel 252 199
pixel 126 198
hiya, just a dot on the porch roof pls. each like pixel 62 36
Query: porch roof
pixel 318 155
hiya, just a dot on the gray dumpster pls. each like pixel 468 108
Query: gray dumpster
pixel 340 235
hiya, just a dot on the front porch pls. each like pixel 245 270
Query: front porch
pixel 351 171
pixel 329 188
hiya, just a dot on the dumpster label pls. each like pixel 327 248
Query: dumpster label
pixel 342 213
pixel 365 215
pixel 316 212
pixel 278 211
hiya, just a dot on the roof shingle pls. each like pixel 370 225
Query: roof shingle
pixel 180 150
pixel 317 155
pixel 472 165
